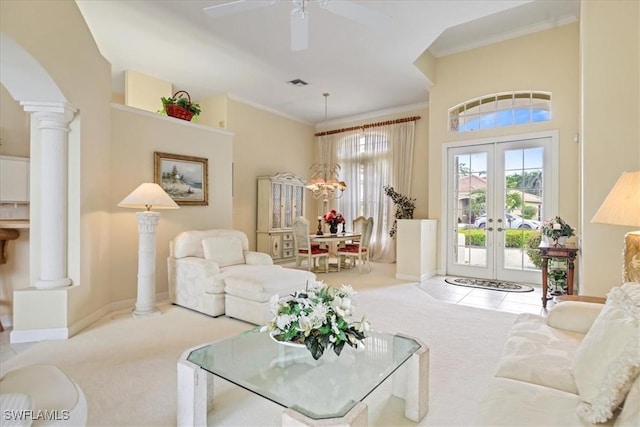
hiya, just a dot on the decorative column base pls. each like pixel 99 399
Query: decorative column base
pixel 52 284
pixel 146 300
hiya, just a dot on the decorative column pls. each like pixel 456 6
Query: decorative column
pixel 146 300
pixel 52 120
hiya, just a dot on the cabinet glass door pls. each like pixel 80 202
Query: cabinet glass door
pixel 276 203
pixel 287 203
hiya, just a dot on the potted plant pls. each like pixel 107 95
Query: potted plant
pixel 404 207
pixel 557 231
pixel 180 106
pixel 317 318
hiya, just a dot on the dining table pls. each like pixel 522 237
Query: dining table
pixel 333 242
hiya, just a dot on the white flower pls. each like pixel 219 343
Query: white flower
pixel 305 325
pixel 274 304
pixel 316 286
pixel 284 320
pixel 347 290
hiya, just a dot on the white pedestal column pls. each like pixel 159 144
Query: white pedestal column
pixel 146 302
pixel 52 120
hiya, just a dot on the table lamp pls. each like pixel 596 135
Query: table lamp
pixel 148 195
pixel 622 207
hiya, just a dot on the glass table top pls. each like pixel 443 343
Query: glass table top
pixel 325 388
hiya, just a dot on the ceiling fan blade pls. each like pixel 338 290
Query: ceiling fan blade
pixel 299 32
pixel 231 8
pixel 355 12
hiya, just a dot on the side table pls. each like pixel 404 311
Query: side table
pixel 581 298
pixel 563 252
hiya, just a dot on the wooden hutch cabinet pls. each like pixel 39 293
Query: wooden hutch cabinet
pixel 280 200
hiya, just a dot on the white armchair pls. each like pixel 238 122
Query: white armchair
pixel 213 272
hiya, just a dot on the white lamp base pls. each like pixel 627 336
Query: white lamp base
pixel 146 301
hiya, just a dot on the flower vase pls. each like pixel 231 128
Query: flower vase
pixel 333 228
pixel 559 241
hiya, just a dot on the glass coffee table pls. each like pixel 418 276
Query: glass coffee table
pixel 313 392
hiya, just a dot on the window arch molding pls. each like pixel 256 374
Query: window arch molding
pixel 500 110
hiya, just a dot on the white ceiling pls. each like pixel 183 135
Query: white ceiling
pixel 366 69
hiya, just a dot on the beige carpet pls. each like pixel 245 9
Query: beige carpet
pixel 127 367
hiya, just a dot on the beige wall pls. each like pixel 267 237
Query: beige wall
pixel 57 36
pixel 136 134
pixel 14 127
pixel 610 68
pixel 145 92
pixel 264 144
pixel 546 61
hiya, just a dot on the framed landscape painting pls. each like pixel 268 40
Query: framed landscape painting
pixel 184 178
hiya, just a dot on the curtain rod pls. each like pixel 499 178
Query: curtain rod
pixel 370 125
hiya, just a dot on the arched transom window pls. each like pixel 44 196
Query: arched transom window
pixel 500 109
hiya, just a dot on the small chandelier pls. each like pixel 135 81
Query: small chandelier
pixel 325 180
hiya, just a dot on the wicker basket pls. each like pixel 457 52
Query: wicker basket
pixel 177 111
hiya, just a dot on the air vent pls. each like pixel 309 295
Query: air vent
pixel 298 82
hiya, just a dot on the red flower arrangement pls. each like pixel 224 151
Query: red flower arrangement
pixel 333 218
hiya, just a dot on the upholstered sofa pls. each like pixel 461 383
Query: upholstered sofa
pixel 213 272
pixel 576 367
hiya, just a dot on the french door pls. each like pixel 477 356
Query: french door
pixel 498 194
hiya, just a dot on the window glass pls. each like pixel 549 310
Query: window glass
pixel 498 110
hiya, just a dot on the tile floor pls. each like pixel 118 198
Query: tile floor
pixel 513 302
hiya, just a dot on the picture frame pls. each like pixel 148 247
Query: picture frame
pixel 184 178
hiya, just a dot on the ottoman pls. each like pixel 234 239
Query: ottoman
pixel 249 288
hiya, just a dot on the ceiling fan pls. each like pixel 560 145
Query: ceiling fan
pixel 300 15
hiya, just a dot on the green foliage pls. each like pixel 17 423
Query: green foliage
pixel 519 238
pixel 528 212
pixel 561 228
pixel 183 102
pixel 478 201
pixel 513 200
pixel 532 248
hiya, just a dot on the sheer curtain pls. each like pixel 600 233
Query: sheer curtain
pixel 371 159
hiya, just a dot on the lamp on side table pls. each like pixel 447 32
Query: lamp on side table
pixel 146 196
pixel 622 207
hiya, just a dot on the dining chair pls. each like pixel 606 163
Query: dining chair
pixel 303 248
pixel 357 225
pixel 360 251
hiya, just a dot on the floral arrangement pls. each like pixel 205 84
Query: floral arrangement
pixel 318 317
pixel 333 218
pixel 404 207
pixel 556 227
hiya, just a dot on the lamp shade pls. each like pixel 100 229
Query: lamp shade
pixel 148 195
pixel 622 205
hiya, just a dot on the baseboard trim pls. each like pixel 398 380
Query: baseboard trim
pixel 420 278
pixel 34 335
